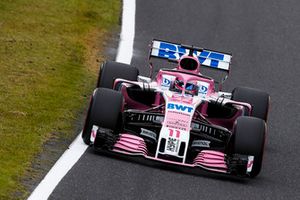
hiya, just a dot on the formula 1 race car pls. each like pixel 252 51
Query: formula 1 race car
pixel 180 117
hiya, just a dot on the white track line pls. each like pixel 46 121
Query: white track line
pixel 77 148
pixel 125 51
pixel 59 170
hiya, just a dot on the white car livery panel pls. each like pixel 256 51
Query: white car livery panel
pixel 176 127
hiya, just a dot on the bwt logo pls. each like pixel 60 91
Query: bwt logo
pixel 178 107
pixel 173 51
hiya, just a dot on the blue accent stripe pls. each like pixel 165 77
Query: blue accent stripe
pixel 216 56
pixel 204 53
pixel 214 63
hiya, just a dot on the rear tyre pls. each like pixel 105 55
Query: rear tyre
pixel 259 100
pixel 249 139
pixel 110 70
pixel 104 111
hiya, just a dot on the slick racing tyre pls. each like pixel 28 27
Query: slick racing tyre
pixel 109 71
pixel 104 111
pixel 259 100
pixel 249 139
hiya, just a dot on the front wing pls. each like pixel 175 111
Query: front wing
pixel 143 146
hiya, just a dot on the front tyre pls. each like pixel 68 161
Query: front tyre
pixel 249 139
pixel 104 111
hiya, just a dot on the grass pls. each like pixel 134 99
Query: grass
pixel 48 52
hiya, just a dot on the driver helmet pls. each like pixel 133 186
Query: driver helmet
pixel 190 87
pixel 178 85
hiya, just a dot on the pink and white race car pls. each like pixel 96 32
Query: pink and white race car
pixel 180 117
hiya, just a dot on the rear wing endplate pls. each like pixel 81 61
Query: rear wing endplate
pixel 208 58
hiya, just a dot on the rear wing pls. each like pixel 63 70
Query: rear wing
pixel 208 58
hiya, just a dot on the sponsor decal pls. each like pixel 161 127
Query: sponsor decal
pixel 201 143
pixel 166 82
pixel 172 144
pixel 174 51
pixel 173 141
pixel 94 133
pixel 177 123
pixel 250 163
pixel 178 107
pixel 148 133
pixel 203 87
pixel 172 132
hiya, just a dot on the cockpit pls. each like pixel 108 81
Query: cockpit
pixel 191 88
pixel 185 83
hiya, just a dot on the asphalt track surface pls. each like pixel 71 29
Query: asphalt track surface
pixel 264 39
